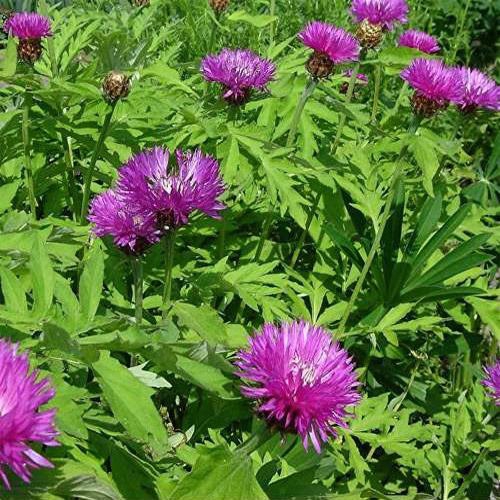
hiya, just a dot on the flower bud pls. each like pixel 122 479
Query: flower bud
pixel 319 65
pixel 219 6
pixel 425 107
pixel 115 86
pixel 369 35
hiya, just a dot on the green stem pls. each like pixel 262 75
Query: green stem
pixel 257 439
pixel 222 239
pixel 378 238
pixel 213 33
pixel 376 94
pixel 458 36
pixel 348 99
pixel 93 160
pixel 137 269
pixel 169 262
pixel 315 205
pixel 308 91
pixel 272 10
pixel 28 167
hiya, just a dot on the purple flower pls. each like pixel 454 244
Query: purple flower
pixel 381 12
pixel 303 380
pixel 132 231
pixel 334 42
pixel 28 25
pixel 239 72
pixel 478 90
pixel 435 84
pixel 170 197
pixel 361 77
pixel 21 420
pixel 420 41
pixel 492 381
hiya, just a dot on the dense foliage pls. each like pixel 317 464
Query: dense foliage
pixel 336 206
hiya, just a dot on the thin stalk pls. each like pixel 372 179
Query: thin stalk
pixel 458 36
pixel 315 205
pixel 138 273
pixel 169 262
pixel 308 91
pixel 221 243
pixel 257 439
pixel 348 99
pixel 378 238
pixel 376 93
pixel 28 167
pixel 213 33
pixel 93 160
pixel 272 10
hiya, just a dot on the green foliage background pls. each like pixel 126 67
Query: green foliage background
pixel 427 318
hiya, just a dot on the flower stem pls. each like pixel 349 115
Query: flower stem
pixel 169 262
pixel 308 91
pixel 378 238
pixel 458 35
pixel 348 99
pixel 213 33
pixel 93 160
pixel 376 94
pixel 28 167
pixel 272 10
pixel 258 438
pixel 137 270
pixel 314 207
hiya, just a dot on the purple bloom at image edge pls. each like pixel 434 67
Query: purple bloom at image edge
pixel 239 71
pixel 433 79
pixel 339 45
pixel 478 90
pixel 492 381
pixel 382 12
pixel 302 379
pixel 28 25
pixel 419 40
pixel 21 420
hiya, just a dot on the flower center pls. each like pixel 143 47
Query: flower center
pixel 306 371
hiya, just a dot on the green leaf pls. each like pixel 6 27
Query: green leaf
pixel 131 403
pixel 43 277
pixel 220 475
pixel 204 321
pixel 426 157
pixel 7 193
pixel 8 67
pixel 90 288
pixel 13 291
pixel 259 21
pixel 489 310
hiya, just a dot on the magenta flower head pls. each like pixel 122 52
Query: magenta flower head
pixel 132 231
pixel 478 91
pixel 492 381
pixel 302 379
pixel 331 46
pixel 435 84
pixel 21 420
pixel 171 196
pixel 30 28
pixel 375 17
pixel 419 40
pixel 239 72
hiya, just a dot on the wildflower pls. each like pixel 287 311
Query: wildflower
pixel 435 86
pixel 239 72
pixel 492 381
pixel 420 41
pixel 331 46
pixel 361 79
pixel 375 17
pixel 477 90
pixel 21 420
pixel 116 85
pixel 302 379
pixel 171 196
pixel 132 231
pixel 29 28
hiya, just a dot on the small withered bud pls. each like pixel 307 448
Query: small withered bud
pixel 141 3
pixel 425 107
pixel 369 35
pixel 319 65
pixel 116 85
pixel 219 6
pixel 29 50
